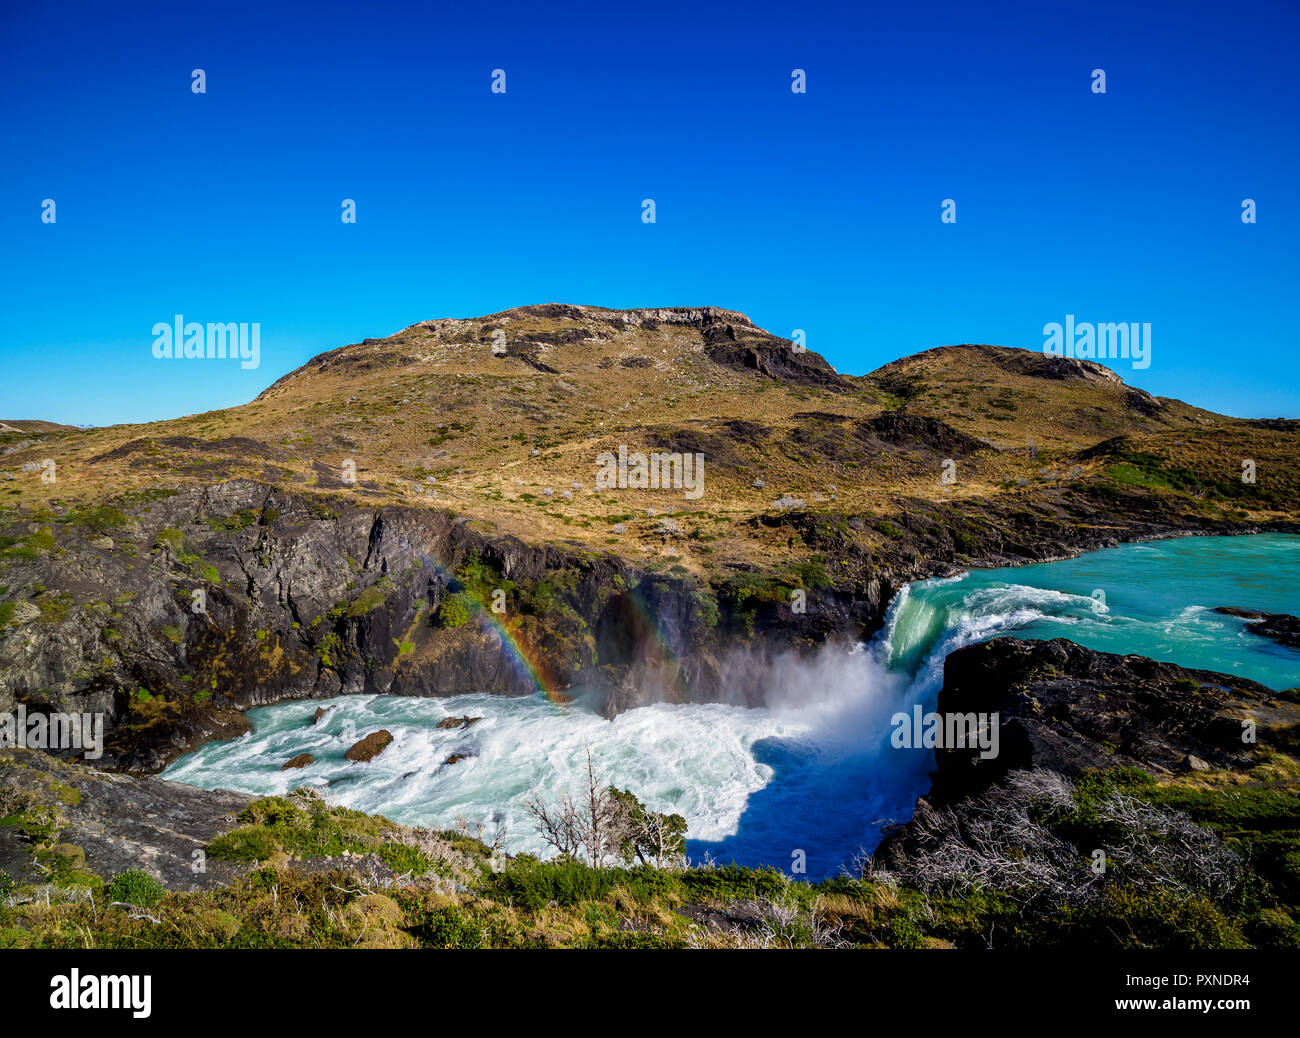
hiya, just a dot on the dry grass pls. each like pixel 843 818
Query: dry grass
pixel 496 433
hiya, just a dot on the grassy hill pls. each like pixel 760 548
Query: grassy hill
pixel 433 416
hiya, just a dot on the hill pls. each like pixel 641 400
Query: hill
pixel 432 414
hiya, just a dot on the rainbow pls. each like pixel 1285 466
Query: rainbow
pixel 528 662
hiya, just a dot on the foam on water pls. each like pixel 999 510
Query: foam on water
pixel 803 774
pixel 812 772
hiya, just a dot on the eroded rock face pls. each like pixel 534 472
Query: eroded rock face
pixel 906 430
pixel 370 747
pixel 303 599
pixel 300 761
pixel 240 595
pixel 1067 709
pixel 120 822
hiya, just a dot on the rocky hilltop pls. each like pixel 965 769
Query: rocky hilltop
pixel 352 528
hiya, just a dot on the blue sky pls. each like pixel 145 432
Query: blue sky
pixel 817 211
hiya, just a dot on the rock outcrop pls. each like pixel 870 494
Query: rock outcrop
pixel 117 821
pixel 1281 627
pixel 370 747
pixel 1066 709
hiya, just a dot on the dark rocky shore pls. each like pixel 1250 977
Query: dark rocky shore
pixel 177 612
pixel 1070 711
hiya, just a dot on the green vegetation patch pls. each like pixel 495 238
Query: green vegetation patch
pixel 103 519
pixel 300 825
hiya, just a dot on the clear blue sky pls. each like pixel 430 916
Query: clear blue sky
pixel 817 211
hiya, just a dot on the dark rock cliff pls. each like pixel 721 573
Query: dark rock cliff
pixel 1066 709
pixel 176 612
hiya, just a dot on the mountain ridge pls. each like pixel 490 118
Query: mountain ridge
pixel 508 428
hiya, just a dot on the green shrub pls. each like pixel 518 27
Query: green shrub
pixel 55 607
pixel 369 600
pixel 1274 928
pixel 708 608
pixel 733 883
pixel 135 887
pixel 478 577
pixel 1130 918
pixel 38 823
pixel 41 540
pixel 328 648
pixel 456 610
pixel 532 884
pixel 903 933
pixel 66 865
pixel 749 590
pixel 102 519
pixel 240 520
pixel 447 927
pixel 540 598
pixel 402 859
pixel 252 843
pixel 170 539
pixel 812 574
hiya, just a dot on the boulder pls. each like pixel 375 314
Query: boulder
pixel 1283 628
pixel 458 722
pixel 370 747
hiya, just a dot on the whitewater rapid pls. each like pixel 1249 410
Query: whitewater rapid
pixel 813 773
pixel 755 785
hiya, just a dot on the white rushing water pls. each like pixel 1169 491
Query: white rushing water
pixel 813 771
pixel 754 785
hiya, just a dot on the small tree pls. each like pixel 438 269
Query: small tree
pixel 609 825
pixel 650 837
pixel 592 828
